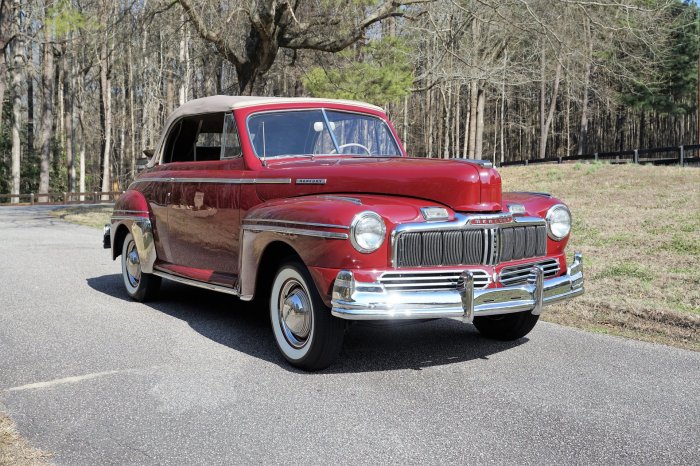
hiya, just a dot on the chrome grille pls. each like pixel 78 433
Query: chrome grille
pixel 430 281
pixel 523 242
pixel 518 274
pixel 473 246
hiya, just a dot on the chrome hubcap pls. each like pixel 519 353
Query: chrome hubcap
pixel 133 265
pixel 295 313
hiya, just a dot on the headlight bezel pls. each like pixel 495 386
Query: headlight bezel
pixel 550 213
pixel 353 231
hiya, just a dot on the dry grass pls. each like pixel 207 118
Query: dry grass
pixel 15 450
pixel 638 228
pixel 95 216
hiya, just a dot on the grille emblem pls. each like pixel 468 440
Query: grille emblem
pixel 491 221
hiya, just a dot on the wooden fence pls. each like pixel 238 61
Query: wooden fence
pixel 681 155
pixel 61 198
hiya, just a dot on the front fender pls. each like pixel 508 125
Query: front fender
pixel 537 205
pixel 317 228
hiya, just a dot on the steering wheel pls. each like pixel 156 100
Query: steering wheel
pixel 352 144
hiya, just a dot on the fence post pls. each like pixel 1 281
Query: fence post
pixel 681 155
pixel 31 198
pixel 95 197
pixel 65 197
pixel 559 159
pixel 636 156
pixel 595 156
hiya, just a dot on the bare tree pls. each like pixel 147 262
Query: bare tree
pixel 273 24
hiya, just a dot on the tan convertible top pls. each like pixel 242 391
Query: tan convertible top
pixel 225 103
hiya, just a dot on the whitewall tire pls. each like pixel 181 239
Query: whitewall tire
pixel 306 333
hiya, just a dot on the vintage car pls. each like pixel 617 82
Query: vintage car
pixel 312 208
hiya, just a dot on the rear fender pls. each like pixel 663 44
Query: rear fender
pixel 131 213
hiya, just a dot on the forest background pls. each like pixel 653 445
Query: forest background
pixel 85 85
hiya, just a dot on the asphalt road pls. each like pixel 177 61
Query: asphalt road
pixel 95 378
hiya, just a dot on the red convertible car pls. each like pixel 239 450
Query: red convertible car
pixel 313 208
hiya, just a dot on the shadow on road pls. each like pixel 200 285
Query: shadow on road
pixel 368 347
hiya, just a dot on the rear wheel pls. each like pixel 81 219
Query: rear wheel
pixel 306 333
pixel 506 327
pixel 140 286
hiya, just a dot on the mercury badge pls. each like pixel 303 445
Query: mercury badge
pixel 311 181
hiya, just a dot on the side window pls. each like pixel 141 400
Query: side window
pixel 230 143
pixel 195 138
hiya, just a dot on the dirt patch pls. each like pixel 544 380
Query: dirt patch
pixel 15 450
pixel 95 216
pixel 638 228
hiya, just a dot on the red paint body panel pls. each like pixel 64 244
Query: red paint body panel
pixel 199 209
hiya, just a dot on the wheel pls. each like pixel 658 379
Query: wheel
pixel 306 333
pixel 506 327
pixel 140 286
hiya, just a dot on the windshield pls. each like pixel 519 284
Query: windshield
pixel 320 132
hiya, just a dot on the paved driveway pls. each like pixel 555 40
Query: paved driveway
pixel 195 378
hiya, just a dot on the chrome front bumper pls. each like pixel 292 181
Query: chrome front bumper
pixel 355 300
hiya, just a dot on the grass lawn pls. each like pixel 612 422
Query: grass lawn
pixel 638 228
pixel 14 449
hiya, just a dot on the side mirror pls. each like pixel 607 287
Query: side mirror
pixel 148 152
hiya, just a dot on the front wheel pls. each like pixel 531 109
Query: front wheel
pixel 140 286
pixel 306 333
pixel 506 327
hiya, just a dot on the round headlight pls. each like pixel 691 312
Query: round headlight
pixel 367 231
pixel 558 222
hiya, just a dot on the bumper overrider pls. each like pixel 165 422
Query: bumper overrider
pixel 355 300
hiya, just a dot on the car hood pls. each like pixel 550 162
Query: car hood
pixel 459 184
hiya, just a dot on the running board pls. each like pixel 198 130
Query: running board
pixel 188 281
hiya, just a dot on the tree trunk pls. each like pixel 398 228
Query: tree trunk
pixel 473 112
pixel 18 66
pixel 68 120
pixel 46 134
pixel 106 103
pixel 479 141
pixel 3 81
pixel 30 106
pixel 546 122
pixel 583 132
pixel 81 125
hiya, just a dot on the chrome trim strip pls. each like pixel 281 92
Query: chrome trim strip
pixel 296 231
pixel 255 221
pixel 126 211
pixel 217 180
pixel 482 163
pixel 534 193
pixel 332 197
pixel 198 284
pixel 128 217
